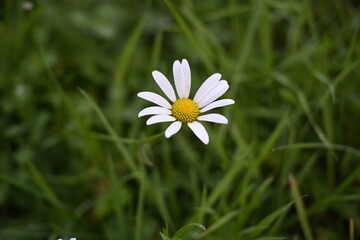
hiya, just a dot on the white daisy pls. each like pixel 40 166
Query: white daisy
pixel 183 109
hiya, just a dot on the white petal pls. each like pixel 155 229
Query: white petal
pixel 179 79
pixel 160 118
pixel 213 117
pixel 187 77
pixel 216 104
pixel 154 111
pixel 207 86
pixel 155 98
pixel 164 84
pixel 172 129
pixel 199 131
pixel 217 92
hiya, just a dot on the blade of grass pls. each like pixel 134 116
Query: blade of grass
pixel 269 219
pixel 140 204
pixel 129 49
pixel 219 223
pixel 24 187
pixel 315 145
pixel 156 49
pixel 203 52
pixel 300 209
pixel 282 79
pixel 257 14
pixel 185 228
pixel 123 62
pixel 207 39
pixel 348 180
pixel 232 10
pixel 266 39
pixel 322 78
pixel 304 171
pixel 339 78
pixel 110 138
pixel 40 181
pixel 351 229
pixel 263 153
pixel 81 124
pixel 122 149
pixel 225 183
pixel 115 186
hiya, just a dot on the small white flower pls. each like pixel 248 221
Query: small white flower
pixel 69 239
pixel 185 110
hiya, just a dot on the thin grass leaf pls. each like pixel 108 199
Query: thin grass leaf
pixel 115 188
pixel 190 35
pixel 219 223
pixel 268 220
pixel 24 187
pixel 351 229
pixel 124 62
pixel 207 38
pixel 315 145
pixel 322 78
pixel 256 199
pixel 352 47
pixel 164 237
pixel 300 209
pixel 255 20
pixel 271 217
pixel 186 228
pixel 43 185
pixel 225 183
pixel 339 78
pixel 110 138
pixel 234 9
pixel 125 58
pixel 266 38
pixel 303 103
pixel 166 229
pixel 127 156
pixel 156 50
pixel 306 169
pixel 348 180
pixel 140 205
pixel 253 229
pixel 264 151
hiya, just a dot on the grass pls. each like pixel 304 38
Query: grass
pixel 75 160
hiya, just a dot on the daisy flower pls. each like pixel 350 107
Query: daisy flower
pixel 182 109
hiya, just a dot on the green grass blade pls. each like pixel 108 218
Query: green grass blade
pixel 186 228
pixel 223 220
pixel 42 184
pixel 300 209
pixel 127 156
pixel 190 35
pixel 110 138
pixel 315 145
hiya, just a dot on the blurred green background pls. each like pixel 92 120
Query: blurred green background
pixel 81 164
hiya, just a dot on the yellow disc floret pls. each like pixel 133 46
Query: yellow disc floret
pixel 185 110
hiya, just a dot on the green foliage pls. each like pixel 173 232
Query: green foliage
pixel 75 161
pixel 181 232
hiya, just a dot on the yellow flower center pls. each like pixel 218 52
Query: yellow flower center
pixel 185 110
